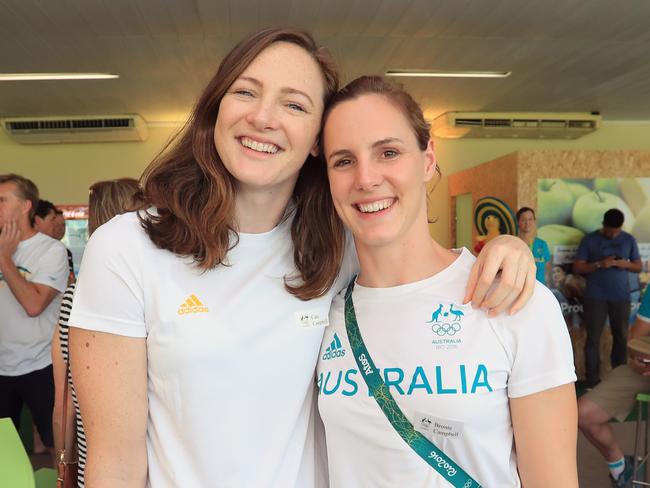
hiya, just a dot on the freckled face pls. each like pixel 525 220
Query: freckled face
pixel 270 117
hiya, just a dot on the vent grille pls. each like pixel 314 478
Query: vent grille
pixel 70 124
pixel 525 124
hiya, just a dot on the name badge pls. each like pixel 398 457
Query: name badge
pixel 312 319
pixel 434 428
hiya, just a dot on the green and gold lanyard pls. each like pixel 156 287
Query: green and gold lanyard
pixel 424 448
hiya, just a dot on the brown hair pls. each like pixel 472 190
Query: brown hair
pixel 27 190
pixel 195 195
pixel 108 199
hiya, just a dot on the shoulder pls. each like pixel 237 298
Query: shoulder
pixel 48 244
pixel 122 231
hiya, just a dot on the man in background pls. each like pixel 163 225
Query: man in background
pixel 607 256
pixel 33 274
pixel 528 233
pixel 50 221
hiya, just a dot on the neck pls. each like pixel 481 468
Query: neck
pixel 26 231
pixel 401 263
pixel 258 211
pixel 527 237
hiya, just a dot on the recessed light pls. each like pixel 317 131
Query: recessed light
pixel 55 76
pixel 422 73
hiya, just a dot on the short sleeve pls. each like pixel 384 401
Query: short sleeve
pixel 644 308
pixel 634 251
pixel 547 252
pixel 540 346
pixel 52 269
pixel 109 295
pixel 582 254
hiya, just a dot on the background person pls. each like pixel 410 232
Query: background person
pixel 475 386
pixel 606 256
pixel 106 200
pixel 50 221
pixel 181 309
pixel 527 223
pixel 615 397
pixel 33 273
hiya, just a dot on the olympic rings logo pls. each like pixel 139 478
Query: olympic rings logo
pixel 446 329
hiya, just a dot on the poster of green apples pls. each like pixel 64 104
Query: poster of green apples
pixel 567 209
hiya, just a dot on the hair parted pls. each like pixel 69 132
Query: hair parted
pixel 109 198
pixel 194 194
pixel 27 190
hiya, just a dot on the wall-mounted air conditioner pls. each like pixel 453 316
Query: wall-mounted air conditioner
pixel 99 128
pixel 509 125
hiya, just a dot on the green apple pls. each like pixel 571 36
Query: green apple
pixel 554 202
pixel 589 210
pixel 560 235
pixel 636 192
pixel 577 189
pixel 641 229
pixel 609 185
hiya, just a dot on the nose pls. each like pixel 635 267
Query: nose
pixel 262 115
pixel 367 175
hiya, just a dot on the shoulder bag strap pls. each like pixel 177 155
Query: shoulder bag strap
pixel 423 447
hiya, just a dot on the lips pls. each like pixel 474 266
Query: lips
pixel 376 206
pixel 259 146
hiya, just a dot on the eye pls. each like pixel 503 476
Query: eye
pixel 390 153
pixel 297 107
pixel 340 163
pixel 243 92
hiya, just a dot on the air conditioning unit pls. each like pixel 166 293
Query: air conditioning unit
pixel 100 128
pixel 509 125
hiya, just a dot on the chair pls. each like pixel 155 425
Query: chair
pixel 641 457
pixel 15 466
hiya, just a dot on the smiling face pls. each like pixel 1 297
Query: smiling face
pixel 269 118
pixel 527 223
pixel 46 225
pixel 377 171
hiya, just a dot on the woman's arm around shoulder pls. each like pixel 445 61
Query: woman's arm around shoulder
pixel 110 377
pixel 545 426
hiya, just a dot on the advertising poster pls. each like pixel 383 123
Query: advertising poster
pixel 567 210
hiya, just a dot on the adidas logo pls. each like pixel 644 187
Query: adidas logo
pixel 192 305
pixel 334 350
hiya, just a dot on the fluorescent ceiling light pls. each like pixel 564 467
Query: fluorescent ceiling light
pixel 423 73
pixel 55 76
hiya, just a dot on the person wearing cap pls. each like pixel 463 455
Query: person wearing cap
pixel 614 397
pixel 606 257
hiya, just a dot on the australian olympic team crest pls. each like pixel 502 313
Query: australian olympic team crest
pixel 446 323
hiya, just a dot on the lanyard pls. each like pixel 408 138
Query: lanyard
pixel 424 448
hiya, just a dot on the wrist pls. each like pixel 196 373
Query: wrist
pixel 597 265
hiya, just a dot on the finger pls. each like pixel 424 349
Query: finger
pixel 511 296
pixel 526 292
pixel 509 269
pixel 485 280
pixel 473 280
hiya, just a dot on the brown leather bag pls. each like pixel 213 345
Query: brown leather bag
pixel 66 471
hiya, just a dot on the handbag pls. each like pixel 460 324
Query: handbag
pixel 66 471
pixel 422 446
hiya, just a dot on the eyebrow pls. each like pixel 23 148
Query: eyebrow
pixel 381 142
pixel 286 90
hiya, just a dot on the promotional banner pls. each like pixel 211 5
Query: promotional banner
pixel 567 210
pixel 76 231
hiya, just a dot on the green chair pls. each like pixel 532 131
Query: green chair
pixel 45 478
pixel 641 457
pixel 15 466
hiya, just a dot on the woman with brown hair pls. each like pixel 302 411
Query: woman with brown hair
pixel 416 388
pixel 106 200
pixel 199 318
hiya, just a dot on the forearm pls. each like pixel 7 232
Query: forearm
pixel 632 266
pixel 25 292
pixel 583 267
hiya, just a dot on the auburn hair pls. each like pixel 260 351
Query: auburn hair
pixel 194 194
pixel 109 198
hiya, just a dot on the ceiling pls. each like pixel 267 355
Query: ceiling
pixel 565 55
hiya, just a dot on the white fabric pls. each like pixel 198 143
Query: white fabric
pixel 231 378
pixel 26 342
pixel 459 377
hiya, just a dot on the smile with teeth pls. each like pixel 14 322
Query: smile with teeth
pixel 375 206
pixel 258 146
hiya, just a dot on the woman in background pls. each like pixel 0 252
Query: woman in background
pixel 106 200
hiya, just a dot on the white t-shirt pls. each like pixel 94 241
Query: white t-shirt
pixel 26 342
pixel 231 355
pixel 450 369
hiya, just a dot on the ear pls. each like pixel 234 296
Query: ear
pixel 430 162
pixel 315 150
